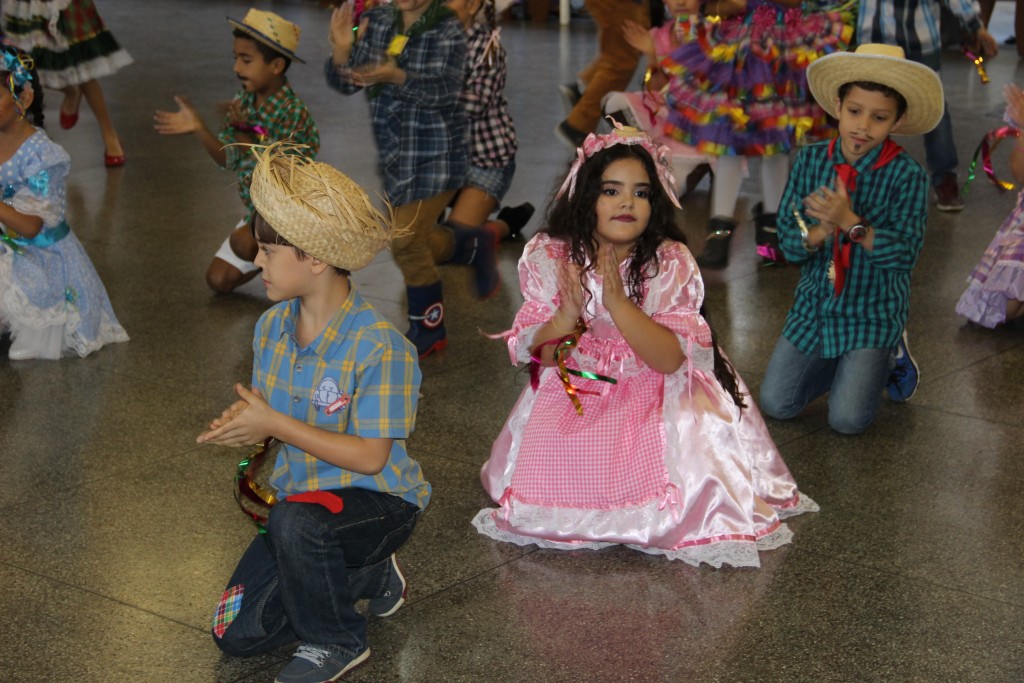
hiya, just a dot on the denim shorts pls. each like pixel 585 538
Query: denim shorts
pixel 493 181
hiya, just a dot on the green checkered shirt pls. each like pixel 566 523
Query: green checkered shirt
pixel 872 310
pixel 284 116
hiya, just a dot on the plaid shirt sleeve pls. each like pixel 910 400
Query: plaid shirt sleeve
pixel 384 405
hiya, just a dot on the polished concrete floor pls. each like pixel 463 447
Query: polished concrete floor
pixel 119 532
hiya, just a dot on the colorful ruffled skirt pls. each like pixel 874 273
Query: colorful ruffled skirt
pixel 66 38
pixel 739 86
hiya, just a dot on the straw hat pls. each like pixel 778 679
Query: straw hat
pixel 272 31
pixel 885 64
pixel 318 208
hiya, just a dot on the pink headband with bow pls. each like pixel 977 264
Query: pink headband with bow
pixel 624 135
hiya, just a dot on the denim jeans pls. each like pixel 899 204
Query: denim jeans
pixel 854 382
pixel 939 146
pixel 300 580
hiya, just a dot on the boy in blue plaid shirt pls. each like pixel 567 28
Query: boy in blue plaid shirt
pixel 868 201
pixel 410 56
pixel 337 386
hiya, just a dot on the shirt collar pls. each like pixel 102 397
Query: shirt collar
pixel 336 331
pixel 272 103
pixel 862 165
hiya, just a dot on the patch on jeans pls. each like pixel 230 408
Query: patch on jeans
pixel 227 609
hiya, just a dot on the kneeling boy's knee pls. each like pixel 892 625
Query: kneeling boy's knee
pixel 850 425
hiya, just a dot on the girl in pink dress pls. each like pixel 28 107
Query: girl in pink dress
pixel 636 430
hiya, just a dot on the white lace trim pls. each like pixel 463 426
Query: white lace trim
pixel 803 504
pixel 86 71
pixel 718 553
pixel 19 314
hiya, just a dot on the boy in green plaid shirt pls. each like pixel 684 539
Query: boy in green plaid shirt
pixel 266 110
pixel 853 217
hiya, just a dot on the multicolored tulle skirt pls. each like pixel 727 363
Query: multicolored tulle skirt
pixel 739 86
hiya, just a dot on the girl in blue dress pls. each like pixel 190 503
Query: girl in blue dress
pixel 52 302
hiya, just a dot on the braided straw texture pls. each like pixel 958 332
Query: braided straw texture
pixel 318 208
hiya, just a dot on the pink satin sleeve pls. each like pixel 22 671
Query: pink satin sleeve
pixel 538 281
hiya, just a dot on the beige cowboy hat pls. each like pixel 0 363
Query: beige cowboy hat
pixel 271 30
pixel 885 64
pixel 317 208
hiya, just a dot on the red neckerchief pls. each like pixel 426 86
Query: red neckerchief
pixel 842 250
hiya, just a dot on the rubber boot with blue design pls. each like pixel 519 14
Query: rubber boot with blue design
pixel 426 319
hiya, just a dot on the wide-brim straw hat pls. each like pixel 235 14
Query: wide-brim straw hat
pixel 271 30
pixel 317 208
pixel 885 64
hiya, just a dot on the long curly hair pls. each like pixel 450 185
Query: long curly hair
pixel 573 220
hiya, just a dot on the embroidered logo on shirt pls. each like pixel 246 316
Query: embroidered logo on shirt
pixel 328 395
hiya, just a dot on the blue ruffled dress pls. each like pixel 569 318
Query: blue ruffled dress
pixel 48 286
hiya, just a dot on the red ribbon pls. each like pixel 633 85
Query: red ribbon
pixel 842 248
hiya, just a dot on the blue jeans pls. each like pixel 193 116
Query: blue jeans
pixel 301 579
pixel 939 146
pixel 854 382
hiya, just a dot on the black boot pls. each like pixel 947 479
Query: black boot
pixel 767 236
pixel 516 217
pixel 716 247
pixel 426 319
pixel 478 247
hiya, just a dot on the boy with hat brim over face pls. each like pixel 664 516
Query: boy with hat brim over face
pixel 853 217
pixel 266 110
pixel 337 385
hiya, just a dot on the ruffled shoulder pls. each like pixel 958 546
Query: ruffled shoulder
pixel 39 153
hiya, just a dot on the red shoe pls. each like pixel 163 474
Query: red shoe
pixel 68 121
pixel 113 161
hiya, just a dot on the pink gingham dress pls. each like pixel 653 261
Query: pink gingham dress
pixel 665 464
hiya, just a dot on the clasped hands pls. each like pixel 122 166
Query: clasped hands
pixel 570 291
pixel 832 207
pixel 242 424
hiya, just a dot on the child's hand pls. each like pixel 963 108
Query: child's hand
pixel 185 120
pixel 638 38
pixel 372 74
pixel 831 206
pixel 570 294
pixel 1014 103
pixel 243 424
pixel 613 293
pixel 341 34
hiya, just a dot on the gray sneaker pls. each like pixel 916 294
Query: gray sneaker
pixel 319 664
pixel 394 596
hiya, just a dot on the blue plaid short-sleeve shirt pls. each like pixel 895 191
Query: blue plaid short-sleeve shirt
pixel 360 377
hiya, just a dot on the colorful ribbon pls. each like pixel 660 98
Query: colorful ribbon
pixel 246 487
pixel 563 347
pixel 979 64
pixel 984 150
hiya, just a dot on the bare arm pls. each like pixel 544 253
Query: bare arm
pixel 187 120
pixel 25 225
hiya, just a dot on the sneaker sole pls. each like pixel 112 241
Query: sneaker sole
pixel 358 661
pixel 405 591
pixel 950 208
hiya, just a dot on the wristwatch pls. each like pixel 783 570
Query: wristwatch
pixel 857 233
